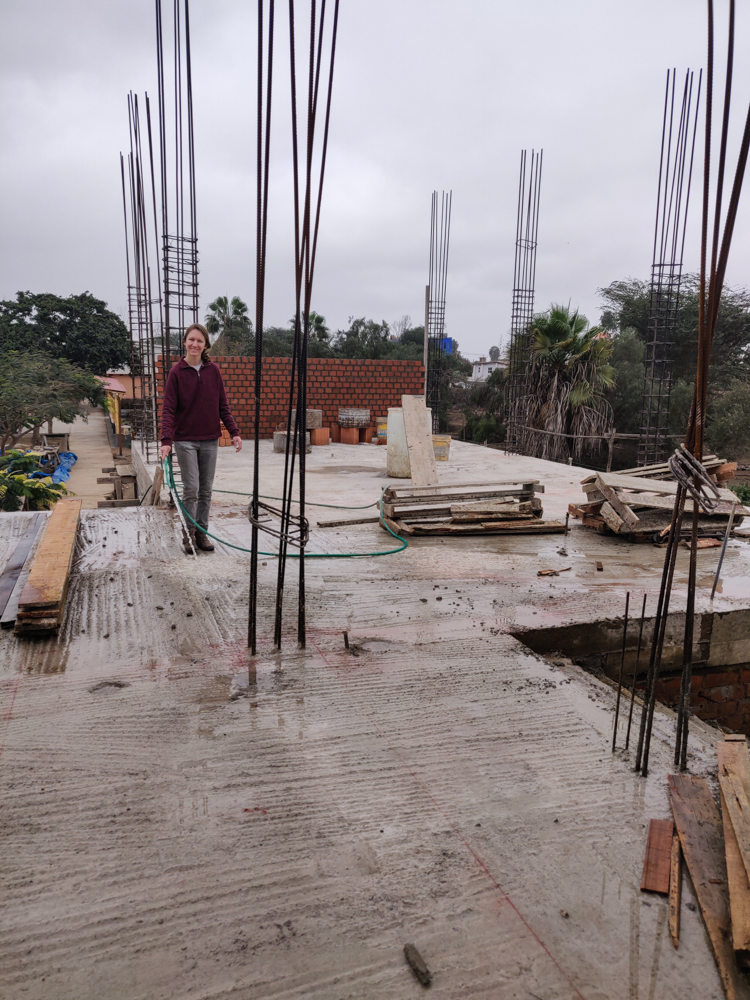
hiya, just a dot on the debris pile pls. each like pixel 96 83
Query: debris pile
pixel 639 502
pixel 467 509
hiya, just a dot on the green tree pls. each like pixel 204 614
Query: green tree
pixel 227 321
pixel 79 328
pixel 35 388
pixel 484 409
pixel 364 338
pixel 728 421
pixel 627 306
pixel 626 395
pixel 568 377
pixel 494 354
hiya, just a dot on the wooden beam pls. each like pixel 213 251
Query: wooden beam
pixel 675 891
pixel 352 520
pixel 47 584
pixel 656 863
pixel 699 826
pixel 620 508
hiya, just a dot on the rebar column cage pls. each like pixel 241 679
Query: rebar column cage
pixel 673 198
pixel 143 305
pixel 179 237
pixel 522 309
pixel 440 231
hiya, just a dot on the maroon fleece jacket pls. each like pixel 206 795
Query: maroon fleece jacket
pixel 194 401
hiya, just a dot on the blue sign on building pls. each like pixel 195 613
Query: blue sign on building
pixel 446 345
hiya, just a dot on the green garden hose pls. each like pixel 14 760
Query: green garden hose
pixel 169 475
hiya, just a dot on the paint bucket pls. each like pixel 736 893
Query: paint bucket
pixel 441 444
pixel 382 430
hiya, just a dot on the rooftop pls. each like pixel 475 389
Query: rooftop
pixel 180 820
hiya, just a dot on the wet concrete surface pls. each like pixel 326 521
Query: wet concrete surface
pixel 178 820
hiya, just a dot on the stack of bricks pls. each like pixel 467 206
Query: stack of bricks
pixel 331 383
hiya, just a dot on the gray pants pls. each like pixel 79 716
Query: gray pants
pixel 197 461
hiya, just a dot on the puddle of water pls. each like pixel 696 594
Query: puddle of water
pixel 735 586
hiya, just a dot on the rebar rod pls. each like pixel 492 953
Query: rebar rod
pixel 622 670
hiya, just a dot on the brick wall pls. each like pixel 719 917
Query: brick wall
pixel 331 383
pixel 716 696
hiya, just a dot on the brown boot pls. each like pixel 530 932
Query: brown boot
pixel 187 538
pixel 202 541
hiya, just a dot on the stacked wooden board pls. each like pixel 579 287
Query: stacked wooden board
pixel 716 847
pixel 124 486
pixel 42 602
pixel 639 502
pixel 467 509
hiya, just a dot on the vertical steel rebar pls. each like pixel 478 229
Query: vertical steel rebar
pixel 622 670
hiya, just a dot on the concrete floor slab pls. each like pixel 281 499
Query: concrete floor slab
pixel 179 820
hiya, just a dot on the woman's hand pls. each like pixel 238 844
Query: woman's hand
pixel 237 442
pixel 165 450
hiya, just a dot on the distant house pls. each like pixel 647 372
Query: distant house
pixel 482 369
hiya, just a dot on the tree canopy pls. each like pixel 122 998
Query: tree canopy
pixel 569 375
pixel 35 388
pixel 230 325
pixel 79 328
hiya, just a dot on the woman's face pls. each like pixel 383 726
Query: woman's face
pixel 194 344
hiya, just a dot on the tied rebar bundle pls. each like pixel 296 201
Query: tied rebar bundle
pixel 434 328
pixel 673 199
pixel 308 177
pixel 714 257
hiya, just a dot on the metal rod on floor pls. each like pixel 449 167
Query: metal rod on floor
pixel 635 671
pixel 622 669
pixel 723 550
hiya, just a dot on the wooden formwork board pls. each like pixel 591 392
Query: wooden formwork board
pixel 47 583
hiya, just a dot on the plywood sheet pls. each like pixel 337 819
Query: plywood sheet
pixel 14 566
pixel 48 578
pixel 419 441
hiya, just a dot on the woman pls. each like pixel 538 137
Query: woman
pixel 194 402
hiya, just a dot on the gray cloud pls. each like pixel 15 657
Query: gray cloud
pixel 428 94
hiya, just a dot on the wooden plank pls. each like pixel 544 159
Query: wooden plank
pixel 734 778
pixel 739 886
pixel 699 827
pixel 619 482
pixel 156 488
pixel 641 500
pixel 118 503
pixel 657 861
pixel 48 578
pixel 534 526
pixel 352 520
pixel 613 519
pixel 14 566
pixel 675 891
pixel 402 492
pixel 620 508
pixel 419 441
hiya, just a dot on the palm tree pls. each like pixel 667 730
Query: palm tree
pixel 230 324
pixel 567 376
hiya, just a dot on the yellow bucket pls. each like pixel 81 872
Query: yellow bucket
pixel 382 430
pixel 441 444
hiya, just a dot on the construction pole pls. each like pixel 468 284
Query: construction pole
pixel 426 335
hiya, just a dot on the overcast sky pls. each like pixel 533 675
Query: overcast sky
pixel 428 94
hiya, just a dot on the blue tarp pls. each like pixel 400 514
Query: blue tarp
pixel 62 472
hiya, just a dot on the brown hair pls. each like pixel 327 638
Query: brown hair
pixel 205 359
